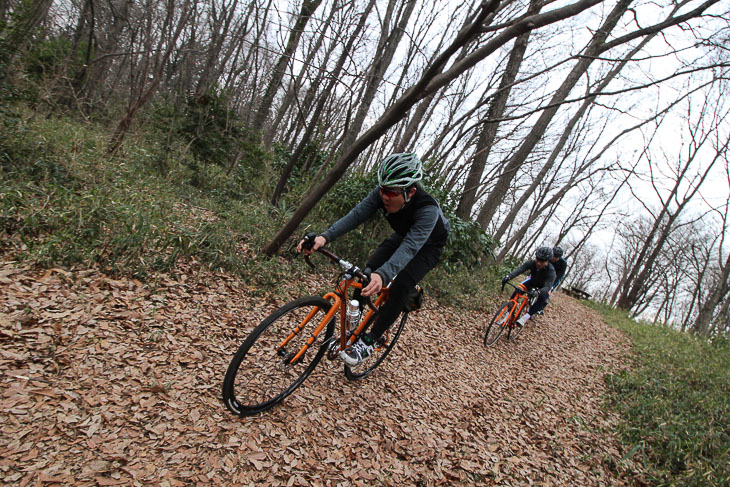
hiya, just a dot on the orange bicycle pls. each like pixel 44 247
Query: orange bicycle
pixel 279 354
pixel 508 314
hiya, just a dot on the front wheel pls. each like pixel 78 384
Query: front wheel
pixel 497 325
pixel 382 349
pixel 515 328
pixel 263 372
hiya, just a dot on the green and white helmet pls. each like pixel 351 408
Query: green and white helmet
pixel 400 170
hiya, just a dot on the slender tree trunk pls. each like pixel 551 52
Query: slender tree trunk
pixel 490 126
pixel 291 96
pixel 702 323
pixel 387 46
pixel 308 8
pixel 564 137
pixel 320 106
pixel 495 198
pixel 121 130
pixel 221 25
pixel 635 284
pixel 19 33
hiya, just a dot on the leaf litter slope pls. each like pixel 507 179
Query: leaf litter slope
pixel 108 382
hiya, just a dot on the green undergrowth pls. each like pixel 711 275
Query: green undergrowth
pixel 64 201
pixel 674 401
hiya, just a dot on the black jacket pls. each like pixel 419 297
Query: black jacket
pixel 542 279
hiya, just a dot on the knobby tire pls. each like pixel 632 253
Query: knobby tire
pixel 498 324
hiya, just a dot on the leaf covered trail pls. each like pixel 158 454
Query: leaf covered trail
pixel 113 382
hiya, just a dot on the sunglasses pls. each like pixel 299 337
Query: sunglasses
pixel 391 192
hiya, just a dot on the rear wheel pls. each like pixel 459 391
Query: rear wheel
pixel 261 373
pixel 382 349
pixel 497 325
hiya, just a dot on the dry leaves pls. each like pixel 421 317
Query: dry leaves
pixel 116 382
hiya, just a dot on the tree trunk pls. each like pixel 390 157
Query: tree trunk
pixel 320 106
pixel 635 285
pixel 19 34
pixel 308 8
pixel 564 137
pixel 121 130
pixel 504 181
pixel 292 93
pixel 490 126
pixel 702 323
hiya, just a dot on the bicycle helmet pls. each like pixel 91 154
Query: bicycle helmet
pixel 544 253
pixel 557 251
pixel 400 170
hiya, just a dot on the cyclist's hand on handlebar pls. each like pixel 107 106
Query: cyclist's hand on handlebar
pixel 374 286
pixel 505 280
pixel 533 293
pixel 319 241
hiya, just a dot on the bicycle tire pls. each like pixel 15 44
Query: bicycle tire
pixel 497 325
pixel 514 331
pixel 363 370
pixel 259 365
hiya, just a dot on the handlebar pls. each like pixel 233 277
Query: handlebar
pixel 347 267
pixel 519 287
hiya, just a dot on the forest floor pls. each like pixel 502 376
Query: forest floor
pixel 116 382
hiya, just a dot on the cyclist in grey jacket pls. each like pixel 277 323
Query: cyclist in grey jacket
pixel 542 277
pixel 420 231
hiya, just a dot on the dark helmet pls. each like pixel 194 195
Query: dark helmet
pixel 557 251
pixel 544 253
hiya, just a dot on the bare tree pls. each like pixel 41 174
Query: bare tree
pixel 433 78
pixel 295 33
pixel 26 18
pixel 721 287
pixel 687 180
pixel 320 107
pixel 598 45
pixel 153 67
pixel 490 125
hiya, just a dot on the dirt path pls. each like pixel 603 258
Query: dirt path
pixel 108 382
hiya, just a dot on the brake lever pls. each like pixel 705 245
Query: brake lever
pixel 308 243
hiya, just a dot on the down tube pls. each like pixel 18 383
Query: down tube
pixel 333 310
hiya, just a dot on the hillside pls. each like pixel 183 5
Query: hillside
pixel 111 382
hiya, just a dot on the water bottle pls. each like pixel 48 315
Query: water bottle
pixel 353 314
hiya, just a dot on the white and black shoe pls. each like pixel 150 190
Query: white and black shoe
pixel 522 320
pixel 355 354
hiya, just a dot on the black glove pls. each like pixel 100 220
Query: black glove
pixel 309 240
pixel 505 280
pixel 532 293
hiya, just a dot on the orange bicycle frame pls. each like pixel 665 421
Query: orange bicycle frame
pixel 520 301
pixel 338 304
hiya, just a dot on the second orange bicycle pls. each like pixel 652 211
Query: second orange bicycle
pixel 507 315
